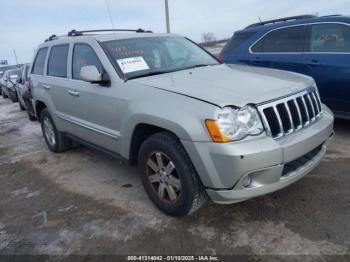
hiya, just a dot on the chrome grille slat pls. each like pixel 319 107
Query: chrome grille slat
pixel 312 107
pixel 279 121
pixel 290 118
pixel 299 114
pixel 290 114
pixel 314 96
pixel 306 110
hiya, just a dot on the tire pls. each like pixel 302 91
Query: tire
pixel 4 95
pixel 30 117
pixel 21 106
pixel 191 195
pixel 30 110
pixel 55 140
pixel 13 96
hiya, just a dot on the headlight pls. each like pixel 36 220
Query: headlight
pixel 234 124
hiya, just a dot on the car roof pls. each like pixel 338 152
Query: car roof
pixel 103 37
pixel 315 19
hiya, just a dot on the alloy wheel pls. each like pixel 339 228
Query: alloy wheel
pixel 162 175
pixel 49 131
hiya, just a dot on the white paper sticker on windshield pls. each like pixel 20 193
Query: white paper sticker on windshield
pixel 132 64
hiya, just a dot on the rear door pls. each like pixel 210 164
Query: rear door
pixel 95 107
pixel 56 84
pixel 327 60
pixel 280 49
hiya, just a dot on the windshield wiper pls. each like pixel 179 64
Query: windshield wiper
pixel 169 71
pixel 151 74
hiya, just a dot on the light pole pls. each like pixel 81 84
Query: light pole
pixel 167 16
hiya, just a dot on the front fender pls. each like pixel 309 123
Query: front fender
pixel 186 121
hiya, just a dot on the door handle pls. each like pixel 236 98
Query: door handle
pixel 314 63
pixel 47 87
pixel 73 93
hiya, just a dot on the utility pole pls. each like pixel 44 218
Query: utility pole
pixel 109 13
pixel 14 52
pixel 167 16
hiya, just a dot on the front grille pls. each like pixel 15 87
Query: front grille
pixel 290 114
pixel 301 161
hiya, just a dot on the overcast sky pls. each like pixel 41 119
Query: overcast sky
pixel 25 24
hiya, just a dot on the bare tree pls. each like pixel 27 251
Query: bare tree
pixel 208 37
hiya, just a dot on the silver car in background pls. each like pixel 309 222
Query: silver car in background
pixel 10 81
pixel 22 86
pixel 195 127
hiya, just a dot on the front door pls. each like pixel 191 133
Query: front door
pixel 328 62
pixel 280 49
pixel 93 109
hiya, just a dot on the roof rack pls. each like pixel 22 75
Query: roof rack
pixel 285 19
pixel 79 33
pixel 51 37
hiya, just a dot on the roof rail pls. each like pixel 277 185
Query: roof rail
pixel 285 19
pixel 79 33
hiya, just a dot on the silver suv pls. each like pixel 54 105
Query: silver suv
pixel 197 128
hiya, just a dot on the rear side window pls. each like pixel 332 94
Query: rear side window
pixel 84 55
pixel 38 67
pixel 286 40
pixel 57 65
pixel 236 41
pixel 330 38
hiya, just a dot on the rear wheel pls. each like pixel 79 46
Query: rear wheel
pixel 55 140
pixel 169 177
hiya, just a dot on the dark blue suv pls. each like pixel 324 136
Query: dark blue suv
pixel 310 45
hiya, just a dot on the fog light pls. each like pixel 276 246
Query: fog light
pixel 247 181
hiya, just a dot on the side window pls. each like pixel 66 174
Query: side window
pixel 57 65
pixel 38 67
pixel 287 40
pixel 330 38
pixel 236 41
pixel 84 55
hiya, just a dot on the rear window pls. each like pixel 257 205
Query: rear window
pixel 38 67
pixel 287 40
pixel 57 65
pixel 236 41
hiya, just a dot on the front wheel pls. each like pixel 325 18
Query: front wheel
pixel 169 176
pixel 55 140
pixel 4 95
pixel 13 95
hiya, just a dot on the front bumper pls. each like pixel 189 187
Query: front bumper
pixel 224 167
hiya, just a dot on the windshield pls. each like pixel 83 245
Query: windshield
pixel 139 57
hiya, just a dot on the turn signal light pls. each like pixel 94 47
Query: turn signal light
pixel 215 133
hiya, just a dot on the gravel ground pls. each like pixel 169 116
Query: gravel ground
pixel 84 202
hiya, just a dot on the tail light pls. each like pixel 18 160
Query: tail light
pixel 219 58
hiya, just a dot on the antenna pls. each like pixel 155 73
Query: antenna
pixel 109 13
pixel 14 52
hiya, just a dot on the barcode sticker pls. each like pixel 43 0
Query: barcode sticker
pixel 132 64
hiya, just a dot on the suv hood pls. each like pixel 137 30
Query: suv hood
pixel 225 85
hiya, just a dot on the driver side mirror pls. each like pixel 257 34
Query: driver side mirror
pixel 91 74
